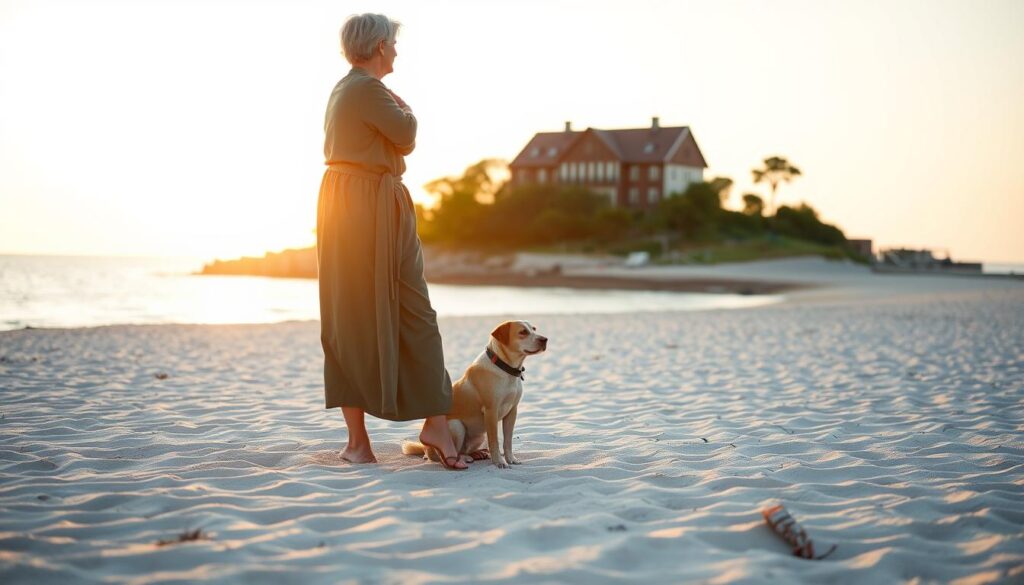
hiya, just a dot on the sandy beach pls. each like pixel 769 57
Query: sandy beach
pixel 885 414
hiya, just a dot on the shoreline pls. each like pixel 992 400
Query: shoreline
pixel 618 282
pixel 547 284
pixel 801 275
pixel 521 269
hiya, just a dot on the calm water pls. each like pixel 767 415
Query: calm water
pixel 997 268
pixel 57 291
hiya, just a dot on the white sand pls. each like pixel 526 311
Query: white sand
pixel 893 429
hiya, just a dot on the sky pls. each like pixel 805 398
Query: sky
pixel 195 128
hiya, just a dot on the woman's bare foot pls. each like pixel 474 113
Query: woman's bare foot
pixel 435 432
pixel 358 455
pixel 358 449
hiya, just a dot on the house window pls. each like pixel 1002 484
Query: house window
pixel 652 195
pixel 572 172
pixel 542 176
pixel 600 172
pixel 535 151
pixel 591 173
pixel 649 147
pixel 563 172
pixel 552 151
pixel 652 172
pixel 609 170
pixel 634 173
pixel 634 195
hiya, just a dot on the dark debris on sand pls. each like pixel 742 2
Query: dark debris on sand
pixel 187 536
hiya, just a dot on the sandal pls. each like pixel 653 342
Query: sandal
pixel 445 460
pixel 480 455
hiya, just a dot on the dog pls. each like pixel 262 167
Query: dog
pixel 489 393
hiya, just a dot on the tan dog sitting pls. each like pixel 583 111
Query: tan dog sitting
pixel 487 393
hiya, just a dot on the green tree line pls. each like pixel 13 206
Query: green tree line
pixel 480 211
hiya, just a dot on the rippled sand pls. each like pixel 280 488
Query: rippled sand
pixel 650 444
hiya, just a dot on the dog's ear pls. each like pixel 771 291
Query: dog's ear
pixel 502 332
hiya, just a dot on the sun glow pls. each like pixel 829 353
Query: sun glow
pixel 196 129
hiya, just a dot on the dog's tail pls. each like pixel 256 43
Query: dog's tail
pixel 413 448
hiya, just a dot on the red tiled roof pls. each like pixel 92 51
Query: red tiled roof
pixel 539 153
pixel 632 145
pixel 608 137
pixel 646 145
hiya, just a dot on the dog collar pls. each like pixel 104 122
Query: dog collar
pixel 514 372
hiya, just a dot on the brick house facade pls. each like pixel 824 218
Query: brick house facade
pixel 635 167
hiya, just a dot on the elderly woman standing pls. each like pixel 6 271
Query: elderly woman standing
pixel 382 348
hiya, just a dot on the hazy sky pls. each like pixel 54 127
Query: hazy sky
pixel 195 128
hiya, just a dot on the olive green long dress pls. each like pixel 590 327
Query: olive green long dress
pixel 382 348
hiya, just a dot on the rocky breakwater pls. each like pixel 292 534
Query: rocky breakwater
pixel 294 263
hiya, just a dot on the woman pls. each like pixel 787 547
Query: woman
pixel 382 348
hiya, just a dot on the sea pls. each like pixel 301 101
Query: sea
pixel 86 291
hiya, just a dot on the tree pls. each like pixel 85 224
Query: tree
pixel 694 214
pixel 776 170
pixel 477 209
pixel 460 202
pixel 535 214
pixel 721 185
pixel 484 179
pixel 752 204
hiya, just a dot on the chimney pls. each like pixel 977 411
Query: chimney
pixel 654 123
pixel 568 126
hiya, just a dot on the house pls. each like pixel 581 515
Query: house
pixel 634 167
pixel 861 246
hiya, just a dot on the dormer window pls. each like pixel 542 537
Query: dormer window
pixel 552 151
pixel 649 147
pixel 535 151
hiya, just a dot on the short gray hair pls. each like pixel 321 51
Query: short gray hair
pixel 361 34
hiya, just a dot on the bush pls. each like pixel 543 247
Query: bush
pixel 614 223
pixel 694 215
pixel 525 216
pixel 652 247
pixel 740 225
pixel 803 223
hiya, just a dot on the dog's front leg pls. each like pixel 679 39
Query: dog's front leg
pixel 508 424
pixel 491 422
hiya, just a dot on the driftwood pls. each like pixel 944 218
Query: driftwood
pixel 786 527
